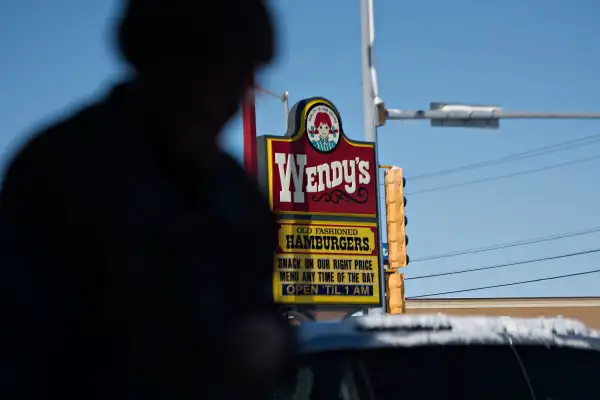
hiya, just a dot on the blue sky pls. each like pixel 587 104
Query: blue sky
pixel 521 54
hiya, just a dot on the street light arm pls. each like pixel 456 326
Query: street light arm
pixel 395 114
pixel 283 97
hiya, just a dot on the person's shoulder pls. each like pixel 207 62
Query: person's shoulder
pixel 236 173
pixel 246 188
pixel 59 150
pixel 231 166
pixel 65 140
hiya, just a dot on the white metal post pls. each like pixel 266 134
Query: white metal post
pixel 367 82
pixel 286 108
pixel 370 94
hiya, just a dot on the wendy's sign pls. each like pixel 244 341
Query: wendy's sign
pixel 323 188
pixel 315 168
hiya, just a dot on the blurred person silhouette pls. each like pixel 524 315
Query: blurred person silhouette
pixel 136 255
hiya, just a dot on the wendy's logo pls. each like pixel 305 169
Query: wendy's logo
pixel 322 128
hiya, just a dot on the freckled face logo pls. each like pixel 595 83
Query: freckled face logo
pixel 323 129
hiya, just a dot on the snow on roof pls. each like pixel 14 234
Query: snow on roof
pixel 424 330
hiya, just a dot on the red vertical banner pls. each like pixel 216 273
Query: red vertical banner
pixel 249 121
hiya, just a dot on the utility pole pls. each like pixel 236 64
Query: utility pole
pixel 370 100
pixel 370 127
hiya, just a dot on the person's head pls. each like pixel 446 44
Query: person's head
pixel 193 59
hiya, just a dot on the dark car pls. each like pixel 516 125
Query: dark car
pixel 440 357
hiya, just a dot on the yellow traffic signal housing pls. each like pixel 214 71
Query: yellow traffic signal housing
pixel 396 220
pixel 397 239
pixel 395 293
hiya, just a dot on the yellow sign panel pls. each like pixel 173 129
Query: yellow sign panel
pixel 327 263
pixel 324 239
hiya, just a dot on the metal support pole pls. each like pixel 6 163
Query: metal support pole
pixel 367 83
pixel 370 98
pixel 286 108
pixel 373 71
pixel 249 124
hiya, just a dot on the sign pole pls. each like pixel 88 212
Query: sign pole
pixel 367 84
pixel 249 126
pixel 370 98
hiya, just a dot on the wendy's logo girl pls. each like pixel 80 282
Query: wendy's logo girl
pixel 323 128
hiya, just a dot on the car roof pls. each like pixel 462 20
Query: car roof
pixel 383 331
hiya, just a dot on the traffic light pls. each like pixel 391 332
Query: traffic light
pixel 396 220
pixel 395 292
pixel 397 240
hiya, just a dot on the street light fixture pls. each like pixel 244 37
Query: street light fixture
pixel 475 116
pixel 472 116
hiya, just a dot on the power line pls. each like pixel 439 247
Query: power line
pixel 567 145
pixel 522 242
pixel 495 178
pixel 594 271
pixel 464 271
